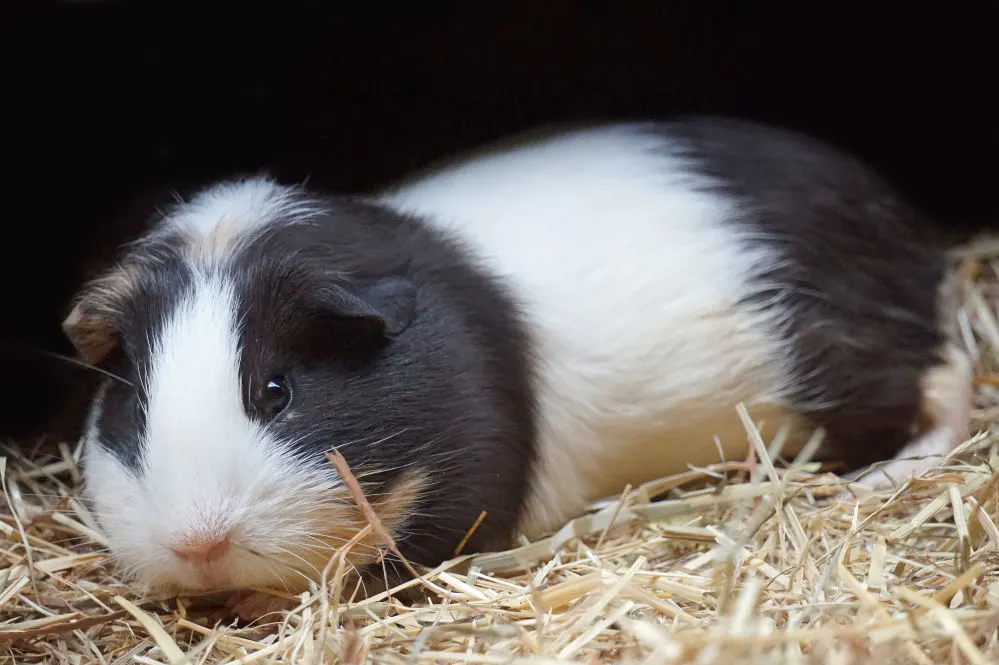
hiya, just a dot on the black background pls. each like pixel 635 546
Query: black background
pixel 105 99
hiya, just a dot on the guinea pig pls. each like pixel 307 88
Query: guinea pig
pixel 521 330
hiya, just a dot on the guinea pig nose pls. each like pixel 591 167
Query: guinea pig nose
pixel 203 550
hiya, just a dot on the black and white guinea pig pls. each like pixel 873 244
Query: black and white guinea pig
pixel 520 331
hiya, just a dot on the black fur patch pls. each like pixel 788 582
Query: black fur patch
pixel 155 293
pixel 861 275
pixel 448 395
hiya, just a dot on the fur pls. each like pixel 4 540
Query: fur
pixel 633 281
pixel 522 331
pixel 436 421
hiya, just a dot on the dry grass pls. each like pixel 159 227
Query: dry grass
pixel 764 565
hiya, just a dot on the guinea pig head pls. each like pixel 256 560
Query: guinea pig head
pixel 248 337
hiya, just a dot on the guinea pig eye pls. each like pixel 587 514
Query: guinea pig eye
pixel 272 396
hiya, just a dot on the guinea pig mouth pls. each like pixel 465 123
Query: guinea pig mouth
pixel 198 576
pixel 213 576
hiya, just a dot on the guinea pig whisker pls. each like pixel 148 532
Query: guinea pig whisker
pixel 274 571
pixel 60 497
pixel 276 566
pixel 317 536
pixel 318 546
pixel 309 565
pixel 77 541
pixel 52 499
pixel 323 542
pixel 373 440
pixel 69 360
pixel 275 558
pixel 96 565
pixel 420 513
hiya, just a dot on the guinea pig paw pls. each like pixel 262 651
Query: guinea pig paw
pixel 915 458
pixel 891 475
pixel 254 605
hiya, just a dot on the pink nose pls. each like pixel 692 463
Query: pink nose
pixel 203 550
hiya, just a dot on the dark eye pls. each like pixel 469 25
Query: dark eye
pixel 272 397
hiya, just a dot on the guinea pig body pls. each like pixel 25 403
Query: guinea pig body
pixel 668 271
pixel 520 332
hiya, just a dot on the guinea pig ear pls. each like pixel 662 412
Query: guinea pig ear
pixel 91 331
pixel 388 302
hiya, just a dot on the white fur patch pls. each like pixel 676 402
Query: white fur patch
pixel 219 219
pixel 631 280
pixel 207 468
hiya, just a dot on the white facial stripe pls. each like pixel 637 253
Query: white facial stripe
pixel 196 428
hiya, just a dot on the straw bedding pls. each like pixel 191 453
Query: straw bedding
pixel 746 562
